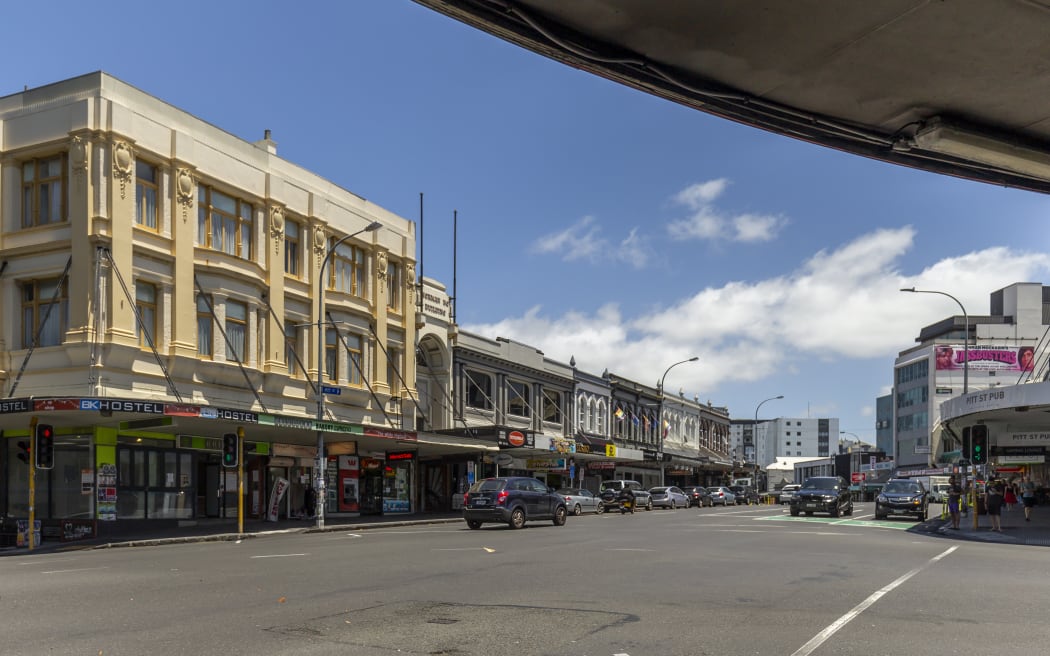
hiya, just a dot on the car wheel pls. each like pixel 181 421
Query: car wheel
pixel 809 513
pixel 921 516
pixel 879 515
pixel 473 524
pixel 649 505
pixel 599 509
pixel 517 518
pixel 794 512
pixel 834 512
pixel 560 514
pixel 576 510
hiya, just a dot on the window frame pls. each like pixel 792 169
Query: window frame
pixel 474 395
pixel 393 287
pixel 143 189
pixel 293 249
pixel 241 219
pixel 556 403
pixel 31 206
pixel 348 272
pixel 205 347
pixel 37 305
pixel 232 327
pixel 519 397
pixel 146 307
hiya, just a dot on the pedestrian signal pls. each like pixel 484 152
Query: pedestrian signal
pixel 24 451
pixel 44 449
pixel 230 451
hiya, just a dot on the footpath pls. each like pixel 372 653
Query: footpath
pixel 1015 530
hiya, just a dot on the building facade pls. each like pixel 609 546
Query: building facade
pixel 161 284
pixel 1003 349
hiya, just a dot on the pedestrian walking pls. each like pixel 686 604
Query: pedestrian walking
pixel 1028 497
pixel 1009 496
pixel 993 503
pixel 954 498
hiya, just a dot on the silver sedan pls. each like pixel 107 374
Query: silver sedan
pixel 669 497
pixel 578 500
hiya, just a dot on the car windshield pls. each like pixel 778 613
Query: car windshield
pixel 820 484
pixel 901 487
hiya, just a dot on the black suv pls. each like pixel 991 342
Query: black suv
pixel 512 500
pixel 822 494
pixel 901 496
pixel 745 494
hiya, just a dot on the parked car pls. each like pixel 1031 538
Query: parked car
pixel 512 500
pixel 610 493
pixel 822 494
pixel 698 496
pixel 788 492
pixel 745 495
pixel 579 500
pixel 902 496
pixel 669 497
pixel 722 496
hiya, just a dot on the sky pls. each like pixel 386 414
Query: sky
pixel 594 221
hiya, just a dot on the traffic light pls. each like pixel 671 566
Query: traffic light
pixel 44 449
pixel 966 442
pixel 979 444
pixel 230 451
pixel 24 451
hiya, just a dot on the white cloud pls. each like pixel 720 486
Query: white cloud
pixel 583 241
pixel 707 223
pixel 838 305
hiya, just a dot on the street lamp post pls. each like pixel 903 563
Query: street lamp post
pixel 966 372
pixel 322 461
pixel 754 437
pixel 966 336
pixel 660 427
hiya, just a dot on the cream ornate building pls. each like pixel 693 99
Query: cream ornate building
pixel 159 286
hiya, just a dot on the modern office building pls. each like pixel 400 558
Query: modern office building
pixel 784 437
pixel 973 352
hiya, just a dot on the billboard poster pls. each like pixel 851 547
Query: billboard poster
pixel 985 358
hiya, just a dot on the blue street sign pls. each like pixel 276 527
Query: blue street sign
pixel 328 389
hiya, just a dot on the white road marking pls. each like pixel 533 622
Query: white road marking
pixel 291 555
pixel 832 628
pixel 488 549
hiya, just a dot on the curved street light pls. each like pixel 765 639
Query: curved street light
pixel 754 437
pixel 322 462
pixel 660 389
pixel 966 336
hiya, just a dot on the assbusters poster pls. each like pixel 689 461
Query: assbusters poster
pixel 985 358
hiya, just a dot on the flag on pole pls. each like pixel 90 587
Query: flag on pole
pixel 666 426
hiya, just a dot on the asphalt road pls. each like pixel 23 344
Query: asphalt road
pixel 712 581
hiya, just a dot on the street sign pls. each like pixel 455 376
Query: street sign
pixel 857 477
pixel 328 389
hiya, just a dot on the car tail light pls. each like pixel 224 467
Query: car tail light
pixel 501 498
pixel 466 498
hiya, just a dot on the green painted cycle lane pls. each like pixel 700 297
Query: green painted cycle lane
pixel 839 521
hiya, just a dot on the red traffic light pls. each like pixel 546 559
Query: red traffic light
pixel 44 448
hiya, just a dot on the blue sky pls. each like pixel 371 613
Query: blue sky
pixel 594 221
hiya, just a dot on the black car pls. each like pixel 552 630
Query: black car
pixel 611 490
pixel 901 496
pixel 823 494
pixel 745 494
pixel 698 496
pixel 512 500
